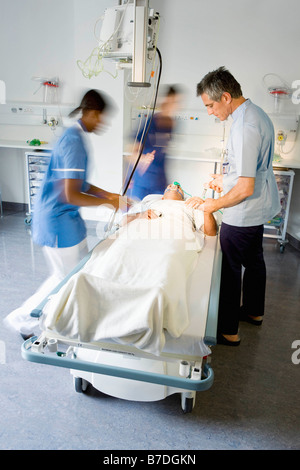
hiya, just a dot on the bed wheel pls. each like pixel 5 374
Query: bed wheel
pixel 80 384
pixel 188 405
pixel 187 402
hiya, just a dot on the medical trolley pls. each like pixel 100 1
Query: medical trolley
pixel 284 178
pixel 37 163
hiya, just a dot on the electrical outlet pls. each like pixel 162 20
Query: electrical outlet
pixel 285 128
pixel 281 137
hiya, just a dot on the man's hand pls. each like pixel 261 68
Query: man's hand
pixel 217 183
pixel 209 205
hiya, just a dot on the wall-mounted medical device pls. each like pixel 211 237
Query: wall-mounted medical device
pixel 278 88
pixel 286 128
pixel 128 36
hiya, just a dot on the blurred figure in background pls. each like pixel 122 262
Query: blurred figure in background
pixel 150 176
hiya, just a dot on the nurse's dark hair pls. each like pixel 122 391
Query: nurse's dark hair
pixel 215 83
pixel 171 90
pixel 93 100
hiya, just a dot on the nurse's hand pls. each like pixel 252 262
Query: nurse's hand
pixel 145 161
pixel 119 202
pixel 217 183
pixel 123 203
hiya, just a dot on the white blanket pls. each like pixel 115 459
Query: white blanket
pixel 136 288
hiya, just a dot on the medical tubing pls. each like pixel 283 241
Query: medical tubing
pixel 141 147
pixel 147 131
pixel 110 223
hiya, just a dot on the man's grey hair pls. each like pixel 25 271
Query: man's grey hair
pixel 215 83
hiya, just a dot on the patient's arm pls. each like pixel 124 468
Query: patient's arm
pixel 210 224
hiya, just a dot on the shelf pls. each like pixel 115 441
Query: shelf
pixel 19 144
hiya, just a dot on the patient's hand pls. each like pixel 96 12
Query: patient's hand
pixel 194 202
pixel 149 214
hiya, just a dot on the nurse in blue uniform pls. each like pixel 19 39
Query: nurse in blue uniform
pixel 150 174
pixel 250 199
pixel 57 225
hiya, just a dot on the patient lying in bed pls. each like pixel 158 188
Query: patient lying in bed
pixel 133 287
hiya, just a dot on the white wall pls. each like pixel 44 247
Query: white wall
pixel 106 169
pixel 43 39
pixel 250 37
pixel 36 39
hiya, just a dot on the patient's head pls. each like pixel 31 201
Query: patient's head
pixel 174 192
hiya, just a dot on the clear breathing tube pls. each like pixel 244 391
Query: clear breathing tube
pixel 178 184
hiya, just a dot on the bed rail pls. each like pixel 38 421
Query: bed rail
pixel 98 368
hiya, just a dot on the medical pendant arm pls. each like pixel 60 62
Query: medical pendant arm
pixel 146 134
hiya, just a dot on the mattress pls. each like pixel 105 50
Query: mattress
pixel 203 298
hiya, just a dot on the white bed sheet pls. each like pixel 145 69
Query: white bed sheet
pixel 186 334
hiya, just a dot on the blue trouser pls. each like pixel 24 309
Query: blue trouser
pixel 241 246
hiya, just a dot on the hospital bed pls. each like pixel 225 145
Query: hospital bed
pixel 127 372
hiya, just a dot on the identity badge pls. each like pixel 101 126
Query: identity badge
pixel 226 164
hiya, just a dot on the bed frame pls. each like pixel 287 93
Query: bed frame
pixel 125 371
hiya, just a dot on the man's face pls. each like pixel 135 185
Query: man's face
pixel 174 192
pixel 221 109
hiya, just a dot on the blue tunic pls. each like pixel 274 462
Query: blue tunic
pixel 55 222
pixel 153 181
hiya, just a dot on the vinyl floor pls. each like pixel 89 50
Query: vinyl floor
pixel 252 404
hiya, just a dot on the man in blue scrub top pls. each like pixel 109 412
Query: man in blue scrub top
pixel 250 199
pixel 57 225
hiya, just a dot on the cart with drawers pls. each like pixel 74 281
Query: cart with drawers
pixel 37 164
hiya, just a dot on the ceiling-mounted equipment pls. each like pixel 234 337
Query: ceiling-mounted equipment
pixel 128 36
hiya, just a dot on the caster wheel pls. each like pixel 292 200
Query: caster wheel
pixel 187 402
pixel 281 249
pixel 188 405
pixel 80 384
pixel 27 221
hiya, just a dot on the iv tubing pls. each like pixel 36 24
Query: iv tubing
pixel 145 137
